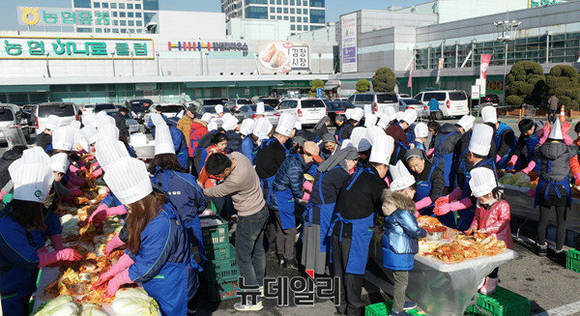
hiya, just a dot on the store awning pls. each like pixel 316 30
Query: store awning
pixel 331 84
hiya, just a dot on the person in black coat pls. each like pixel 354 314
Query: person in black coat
pixel 121 123
pixel 7 159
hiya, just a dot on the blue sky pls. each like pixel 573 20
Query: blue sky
pixel 334 8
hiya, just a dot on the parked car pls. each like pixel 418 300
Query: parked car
pixel 9 117
pixel 27 119
pixel 235 104
pixel 340 99
pixel 490 98
pixel 273 102
pixel 214 101
pixel 87 108
pixel 67 112
pixel 173 111
pixel 107 107
pixel 139 107
pixel 336 108
pixel 308 110
pixel 132 123
pixel 249 111
pixel 451 102
pixel 408 103
pixel 374 102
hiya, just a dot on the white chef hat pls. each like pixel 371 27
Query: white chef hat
pixel 357 114
pixel 480 141
pixel 75 125
pixel 206 117
pixel 59 162
pixel 32 180
pixel 51 122
pixel 370 120
pixel 109 131
pixel 374 133
pixel 382 150
pixel 286 124
pixel 163 141
pixel 212 125
pixel 466 122
pixel 219 109
pixel 63 138
pixel 409 116
pixel 482 181
pixel 364 145
pixel 262 128
pixel 128 179
pixel 421 130
pixel 399 116
pixel 489 114
pixel 348 113
pixel 260 108
pixel 383 122
pixel 556 131
pixel 230 123
pixel 346 143
pixel 357 134
pixel 14 136
pixel 247 126
pixel 227 116
pixel 389 113
pixel 90 133
pixel 157 119
pixel 402 178
pixel 34 155
pixel 103 119
pixel 109 150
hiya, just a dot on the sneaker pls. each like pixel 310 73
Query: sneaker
pixel 248 308
pixel 281 261
pixel 292 264
pixel 409 305
pixel 542 249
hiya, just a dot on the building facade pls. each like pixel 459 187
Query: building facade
pixel 303 15
pixel 254 29
pixel 124 16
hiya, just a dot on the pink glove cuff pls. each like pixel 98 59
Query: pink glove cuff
pixel 116 210
pixel 530 167
pixel 306 196
pixel 73 168
pixel 514 159
pixel 123 264
pixel 567 139
pixel 577 176
pixel 117 281
pixel 430 152
pixel 97 173
pixel 423 203
pixel 497 158
pixel 2 194
pixel 460 205
pixel 57 242
pixel 46 258
pixel 455 194
pixel 113 244
pixel 307 186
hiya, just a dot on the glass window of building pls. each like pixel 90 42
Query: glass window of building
pixel 292 2
pixel 292 10
pixel 138 23
pixel 82 3
pixel 299 11
pixel 113 5
pixel 138 6
pixel 272 9
pixel 317 16
pixel 272 1
pixel 305 28
pixel 84 30
pixel 115 14
pixel 152 5
pixel 279 17
pixel 299 19
pixel 131 31
pixel 147 17
pixel 123 23
pixel 122 14
pixel 139 31
pixel 138 14
pixel 285 18
pixel 285 2
pixel 272 17
pixel 279 2
pixel 115 22
pixel 256 1
pixel 99 30
pixel 293 27
pixel 115 30
pixel 305 3
pixel 123 31
pixel 257 12
pixel 299 27
pixel 105 5
pixel 96 4
pixel 317 3
pixel 131 23
pixel 279 10
pixel 305 19
pixel 286 10
pixel 130 6
pixel 130 14
pixel 292 19
pixel 121 6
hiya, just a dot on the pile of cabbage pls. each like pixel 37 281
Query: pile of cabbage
pixel 517 179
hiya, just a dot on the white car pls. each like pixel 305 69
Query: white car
pixel 170 110
pixel 308 110
pixel 9 119
pixel 66 111
pixel 451 102
pixel 375 102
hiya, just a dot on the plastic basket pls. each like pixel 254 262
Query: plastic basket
pixel 384 309
pixel 217 270
pixel 216 234
pixel 224 290
pixel 573 260
pixel 502 303
pixel 220 251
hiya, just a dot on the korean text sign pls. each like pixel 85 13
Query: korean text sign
pixel 41 16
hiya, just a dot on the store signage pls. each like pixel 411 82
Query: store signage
pixel 39 16
pixel 213 46
pixel 27 47
pixel 283 57
pixel 475 92
pixel 348 33
pixel 541 3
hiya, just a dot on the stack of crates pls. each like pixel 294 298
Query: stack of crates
pixel 384 309
pixel 220 275
pixel 573 260
pixel 502 303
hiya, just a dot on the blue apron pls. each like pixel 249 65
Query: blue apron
pixel 419 145
pixel 410 133
pixel 545 184
pixel 399 146
pixel 362 234
pixel 503 128
pixel 325 210
pixel 447 162
pixel 423 191
pixel 285 201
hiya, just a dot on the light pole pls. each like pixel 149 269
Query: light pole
pixel 132 65
pixel 47 65
pixel 507 27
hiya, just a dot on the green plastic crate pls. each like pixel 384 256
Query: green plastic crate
pixel 217 234
pixel 384 309
pixel 502 303
pixel 223 289
pixel 221 269
pixel 220 251
pixel 573 260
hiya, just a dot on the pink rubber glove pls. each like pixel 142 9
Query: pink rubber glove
pixel 97 173
pixel 48 258
pixel 306 196
pixel 99 215
pixel 116 210
pixel 453 206
pixel 455 194
pixel 73 168
pixel 512 161
pixel 117 281
pixel 497 158
pixel 423 203
pixel 57 242
pixel 307 186
pixel 2 194
pixel 113 244
pixel 430 152
pixel 122 265
pixel 529 168
pixel 545 133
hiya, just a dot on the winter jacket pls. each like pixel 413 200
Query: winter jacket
pixel 433 105
pixel 450 142
pixel 494 220
pixel 271 154
pixel 290 176
pixel 396 132
pixel 400 241
pixel 330 186
pixel 555 157
pixel 120 122
pixel 234 142
pixel 505 140
pixel 184 125
pixel 7 159
pixel 204 177
pixel 437 180
pixel 45 141
pixel 249 149
pixel 553 103
pixel 198 129
pixel 574 162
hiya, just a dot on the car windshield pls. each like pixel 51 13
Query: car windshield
pixel 6 115
pixel 411 101
pixel 58 109
pixel 341 105
pixel 100 107
pixel 211 109
pixel 439 96
pixel 457 96
pixel 386 98
pixel 170 108
pixel 271 102
pixel 267 108
pixel 308 104
pixel 363 99
pixel 244 101
pixel 212 102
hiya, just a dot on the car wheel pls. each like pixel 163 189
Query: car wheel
pixel 438 115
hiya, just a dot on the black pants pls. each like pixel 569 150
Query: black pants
pixel 432 115
pixel 191 167
pixel 561 224
pixel 350 296
pixel 285 240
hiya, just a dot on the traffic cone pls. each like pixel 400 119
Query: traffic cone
pixel 563 113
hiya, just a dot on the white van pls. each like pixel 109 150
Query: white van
pixel 66 111
pixel 451 102
pixel 375 102
pixel 308 110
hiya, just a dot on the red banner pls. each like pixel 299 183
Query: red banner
pixel 410 83
pixel 485 59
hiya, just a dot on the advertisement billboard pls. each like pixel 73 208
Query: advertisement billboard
pixel 283 57
pixel 41 16
pixel 348 32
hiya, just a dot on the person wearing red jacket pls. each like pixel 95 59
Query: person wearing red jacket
pixel 197 131
pixel 575 161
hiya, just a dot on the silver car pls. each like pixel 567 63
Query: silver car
pixel 9 119
pixel 249 111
